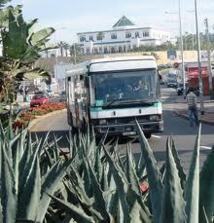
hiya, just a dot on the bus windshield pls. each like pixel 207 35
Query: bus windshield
pixel 123 86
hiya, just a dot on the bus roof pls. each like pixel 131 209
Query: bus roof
pixel 114 64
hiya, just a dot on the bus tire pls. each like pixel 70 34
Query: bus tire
pixel 148 135
pixel 69 118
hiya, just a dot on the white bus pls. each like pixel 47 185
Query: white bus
pixel 109 94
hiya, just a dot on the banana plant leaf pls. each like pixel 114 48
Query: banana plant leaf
pixel 40 36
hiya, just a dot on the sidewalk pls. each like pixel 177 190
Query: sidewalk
pixel 208 116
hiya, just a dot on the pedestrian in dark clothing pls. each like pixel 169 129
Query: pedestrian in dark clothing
pixel 192 108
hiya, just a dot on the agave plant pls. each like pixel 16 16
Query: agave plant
pixel 104 186
pixel 96 183
pixel 29 171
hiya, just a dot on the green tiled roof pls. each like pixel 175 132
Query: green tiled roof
pixel 123 22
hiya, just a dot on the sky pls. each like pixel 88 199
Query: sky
pixel 69 17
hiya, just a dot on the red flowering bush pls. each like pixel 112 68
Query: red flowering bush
pixel 27 116
pixel 47 108
pixel 18 124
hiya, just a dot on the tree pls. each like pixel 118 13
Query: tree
pixel 21 48
pixel 75 52
pixel 3 2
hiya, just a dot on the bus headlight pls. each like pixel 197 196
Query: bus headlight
pixel 154 118
pixel 102 122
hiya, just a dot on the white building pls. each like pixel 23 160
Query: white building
pixel 123 36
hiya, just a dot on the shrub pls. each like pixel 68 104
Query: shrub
pixel 27 116
pixel 105 186
pixel 27 176
pixel 96 183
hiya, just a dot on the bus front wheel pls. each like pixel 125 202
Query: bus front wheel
pixel 148 135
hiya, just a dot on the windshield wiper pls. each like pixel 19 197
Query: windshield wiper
pixel 149 102
pixel 130 101
pixel 112 101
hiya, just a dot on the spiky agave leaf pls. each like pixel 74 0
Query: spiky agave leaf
pixel 30 198
pixel 136 214
pixel 51 181
pixel 79 187
pixel 121 183
pixel 77 213
pixel 8 194
pixel 205 218
pixel 181 172
pixel 77 194
pixel 154 175
pixel 99 203
pixel 112 204
pixel 131 174
pixel 192 185
pixel 98 164
pixel 173 206
pixel 26 164
pixel 207 189
pixel 1 212
pixel 17 151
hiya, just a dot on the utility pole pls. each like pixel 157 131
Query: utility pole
pixel 209 55
pixel 182 47
pixel 199 60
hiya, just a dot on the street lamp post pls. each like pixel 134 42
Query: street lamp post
pixel 182 47
pixel 209 59
pixel 199 59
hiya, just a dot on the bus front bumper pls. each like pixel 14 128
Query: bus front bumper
pixel 128 129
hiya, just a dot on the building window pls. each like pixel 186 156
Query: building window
pixel 105 50
pixel 91 38
pixel 113 50
pixel 87 50
pixel 137 35
pixel 95 51
pixel 128 35
pixel 113 36
pixel 100 36
pixel 145 34
pixel 82 38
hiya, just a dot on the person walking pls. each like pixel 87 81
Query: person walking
pixel 192 108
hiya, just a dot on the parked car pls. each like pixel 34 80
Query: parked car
pixel 39 99
pixel 172 83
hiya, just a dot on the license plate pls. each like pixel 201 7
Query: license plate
pixel 128 133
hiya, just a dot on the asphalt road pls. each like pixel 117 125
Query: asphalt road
pixel 179 128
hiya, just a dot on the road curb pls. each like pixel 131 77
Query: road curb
pixel 186 117
pixel 40 118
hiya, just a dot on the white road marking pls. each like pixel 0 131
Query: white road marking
pixel 156 136
pixel 206 147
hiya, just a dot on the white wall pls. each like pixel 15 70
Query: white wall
pixel 155 37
